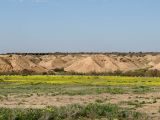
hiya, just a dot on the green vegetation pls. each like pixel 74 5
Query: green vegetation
pixel 60 71
pixel 76 85
pixel 82 80
pixel 28 86
pixel 136 103
pixel 142 89
pixel 136 73
pixel 53 90
pixel 72 112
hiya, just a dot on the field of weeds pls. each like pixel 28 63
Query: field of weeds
pixel 82 80
pixel 79 97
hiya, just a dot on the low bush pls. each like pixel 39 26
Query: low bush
pixel 71 112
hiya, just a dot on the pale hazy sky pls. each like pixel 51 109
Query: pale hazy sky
pixel 79 25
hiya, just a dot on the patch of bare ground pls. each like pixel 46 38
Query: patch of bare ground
pixel 80 63
pixel 148 103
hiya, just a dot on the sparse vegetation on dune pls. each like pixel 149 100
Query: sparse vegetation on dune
pixel 124 64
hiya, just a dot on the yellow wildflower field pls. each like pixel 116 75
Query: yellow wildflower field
pixel 82 80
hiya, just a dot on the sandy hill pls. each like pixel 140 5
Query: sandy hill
pixel 85 65
pixel 5 66
pixel 80 63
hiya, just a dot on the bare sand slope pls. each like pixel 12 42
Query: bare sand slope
pixel 81 63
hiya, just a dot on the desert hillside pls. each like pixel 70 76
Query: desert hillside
pixel 79 63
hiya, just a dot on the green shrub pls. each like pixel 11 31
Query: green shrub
pixel 71 112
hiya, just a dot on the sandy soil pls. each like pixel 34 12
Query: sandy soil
pixel 150 102
pixel 78 63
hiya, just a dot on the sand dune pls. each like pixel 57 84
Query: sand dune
pixel 81 63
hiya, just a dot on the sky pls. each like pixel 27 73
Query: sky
pixel 79 26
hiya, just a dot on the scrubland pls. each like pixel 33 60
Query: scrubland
pixel 79 97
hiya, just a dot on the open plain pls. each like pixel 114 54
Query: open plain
pixel 131 97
